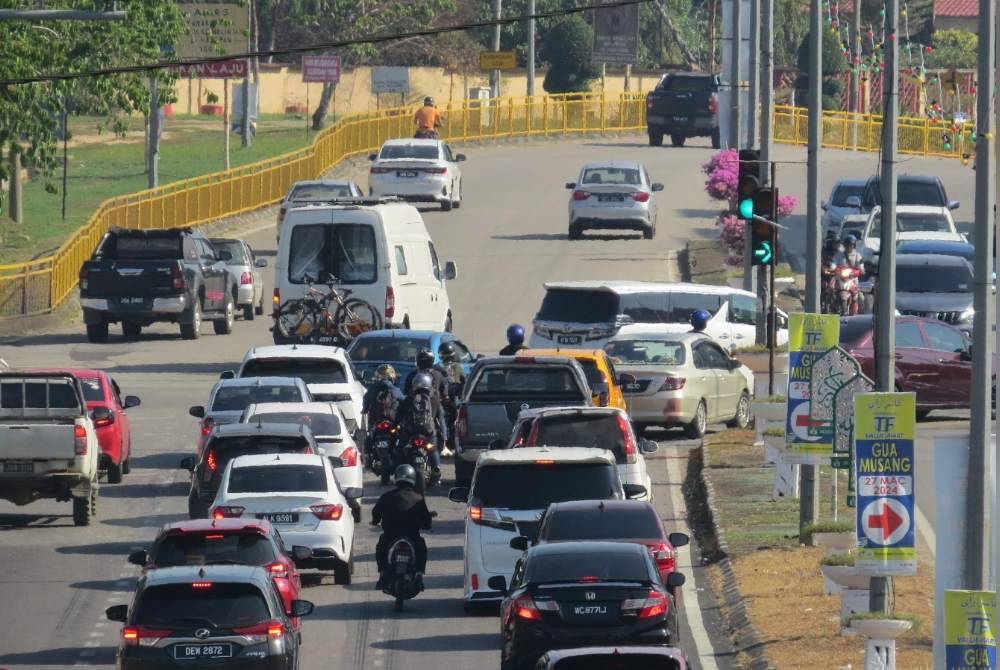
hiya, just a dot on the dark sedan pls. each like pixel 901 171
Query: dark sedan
pixel 573 594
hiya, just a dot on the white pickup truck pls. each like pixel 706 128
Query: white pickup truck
pixel 48 446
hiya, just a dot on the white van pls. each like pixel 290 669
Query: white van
pixel 379 249
pixel 586 314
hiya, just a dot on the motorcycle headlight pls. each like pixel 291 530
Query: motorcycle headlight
pixel 967 316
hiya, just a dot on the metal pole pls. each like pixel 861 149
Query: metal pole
pixel 307 112
pixel 495 77
pixel 885 322
pixel 65 134
pixel 754 73
pixel 225 116
pixel 734 87
pixel 976 568
pixel 247 140
pixel 855 72
pixel 771 314
pixel 767 83
pixel 153 176
pixel 531 50
pixel 996 238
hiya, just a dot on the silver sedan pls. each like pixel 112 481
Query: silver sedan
pixel 616 195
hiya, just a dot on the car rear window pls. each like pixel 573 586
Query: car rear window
pixel 632 660
pixel 325 425
pixel 966 251
pixel 142 247
pixel 228 448
pixel 645 352
pixel 637 523
pixel 394 349
pixel 38 394
pixel 309 370
pixel 218 604
pixel 574 566
pixel 277 479
pixel 536 486
pixel 305 192
pixel 687 84
pixel 208 548
pixel 919 193
pixel 554 382
pixel 911 223
pixel 345 251
pixel 92 391
pixel 579 306
pixel 236 398
pixel 419 151
pixel 235 249
pixel 845 191
pixel 582 430
pixel 611 175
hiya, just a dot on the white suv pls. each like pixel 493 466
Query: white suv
pixel 511 490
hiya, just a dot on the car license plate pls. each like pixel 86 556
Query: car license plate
pixel 590 610
pixel 635 386
pixel 186 651
pixel 406 173
pixel 611 198
pixel 18 467
pixel 131 301
pixel 681 119
pixel 418 460
pixel 282 517
pixel 382 444
pixel 402 558
pixel 568 339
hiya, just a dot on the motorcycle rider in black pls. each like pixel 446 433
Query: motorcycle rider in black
pixel 402 512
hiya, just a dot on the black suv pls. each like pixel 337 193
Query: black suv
pixel 911 189
pixel 683 105
pixel 208 617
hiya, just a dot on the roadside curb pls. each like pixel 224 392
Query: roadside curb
pixel 700 493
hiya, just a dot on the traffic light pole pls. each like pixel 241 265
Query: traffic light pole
pixel 771 318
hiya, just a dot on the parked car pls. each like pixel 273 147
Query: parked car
pixel 245 265
pixel 836 207
pixel 140 277
pixel 613 195
pixel 617 657
pixel 600 371
pixel 683 105
pixel 417 171
pixel 398 348
pixel 919 190
pixel 380 251
pixel 681 380
pixel 912 223
pixel 313 191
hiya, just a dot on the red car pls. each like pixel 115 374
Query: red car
pixel 113 434
pixel 933 359
pixel 241 541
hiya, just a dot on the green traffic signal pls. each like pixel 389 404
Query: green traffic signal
pixel 762 254
pixel 746 208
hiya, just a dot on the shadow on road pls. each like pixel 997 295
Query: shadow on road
pixel 163 461
pixel 61 656
pixel 432 643
pixel 123 585
pixel 19 521
pixel 149 521
pixel 145 490
pixel 454 552
pixel 533 236
pixel 176 368
pixel 122 549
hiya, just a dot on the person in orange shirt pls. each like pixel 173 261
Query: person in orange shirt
pixel 427 119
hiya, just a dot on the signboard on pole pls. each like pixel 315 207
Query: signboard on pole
pixel 390 80
pixel 321 69
pixel 227 69
pixel 810 336
pixel 616 35
pixel 214 29
pixel 497 60
pixel 969 622
pixel 884 430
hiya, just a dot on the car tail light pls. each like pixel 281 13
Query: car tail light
pixel 349 457
pixel 227 512
pixel 276 299
pixel 474 579
pixel 140 636
pixel 580 195
pixel 177 279
pixel 262 632
pixel 526 608
pixel 640 196
pixel 104 421
pixel 83 279
pixel 211 461
pixel 713 103
pixel 327 512
pixel 380 170
pixel 246 279
pixel 79 440
pixel 653 605
pixel 206 425
pixel 390 302
pixel 277 569
pixel 201 585
pixel 664 555
pixel 630 449
pixel 435 170
pixel 489 517
pixel 673 384
pixel 462 423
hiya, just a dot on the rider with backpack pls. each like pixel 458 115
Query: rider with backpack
pixel 421 415
pixel 382 399
pixel 454 377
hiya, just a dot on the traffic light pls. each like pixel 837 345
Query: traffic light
pixel 763 236
pixel 749 182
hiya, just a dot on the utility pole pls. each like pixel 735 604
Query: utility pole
pixel 855 69
pixel 754 75
pixel 734 85
pixel 16 196
pixel 976 567
pixel 767 80
pixel 245 128
pixel 531 49
pixel 495 75
pixel 885 321
pixel 153 168
pixel 808 483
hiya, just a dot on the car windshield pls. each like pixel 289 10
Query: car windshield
pixel 418 151
pixel 645 352
pixel 687 84
pixel 234 248
pixel 537 485
pixel 574 306
pixel 611 175
pixel 575 566
pixel 216 605
pixel 345 251
pixel 667 306
pixel 92 391
pixel 552 382
pixel 394 349
pixel 637 523
pixel 630 660
pixel 214 547
pixel 306 192
pixel 913 223
pixel 321 425
pixel 845 191
pixel 236 398
pixel 581 430
pixel 309 370
pixel 592 372
pixel 278 479
pixel 931 279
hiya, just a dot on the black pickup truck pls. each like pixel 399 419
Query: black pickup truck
pixel 683 105
pixel 139 277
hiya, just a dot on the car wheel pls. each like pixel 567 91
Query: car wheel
pixel 677 140
pixel 85 509
pixel 448 324
pixel 742 418
pixel 97 332
pixel 131 329
pixel 716 139
pixel 127 463
pixel 648 233
pixel 575 231
pixel 446 205
pixel 699 423
pixel 655 139
pixel 225 326
pixel 115 474
pixel 457 202
pixel 259 309
pixel 248 312
pixel 192 331
pixel 342 573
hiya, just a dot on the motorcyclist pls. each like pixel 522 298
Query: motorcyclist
pixel 427 119
pixel 382 399
pixel 425 363
pixel 830 249
pixel 850 256
pixel 515 340
pixel 423 381
pixel 699 320
pixel 402 512
pixel 454 376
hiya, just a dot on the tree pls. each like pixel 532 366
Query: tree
pixel 566 47
pixel 954 49
pixel 791 25
pixel 834 64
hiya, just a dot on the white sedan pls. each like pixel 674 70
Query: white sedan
pixel 617 195
pixel 417 171
pixel 298 493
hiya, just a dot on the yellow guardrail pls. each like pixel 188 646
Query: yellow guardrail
pixel 42 284
pixel 863 132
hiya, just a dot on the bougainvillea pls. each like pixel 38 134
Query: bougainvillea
pixel 731 230
pixel 726 157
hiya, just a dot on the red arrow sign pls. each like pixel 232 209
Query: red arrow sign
pixel 888 521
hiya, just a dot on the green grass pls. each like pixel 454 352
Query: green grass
pixel 191 146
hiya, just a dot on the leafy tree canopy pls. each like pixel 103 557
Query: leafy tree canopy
pixel 954 49
pixel 566 47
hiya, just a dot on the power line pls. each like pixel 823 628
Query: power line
pixel 322 46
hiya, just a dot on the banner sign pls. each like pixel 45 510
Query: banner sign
pixel 810 336
pixel 227 69
pixel 497 60
pixel 214 29
pixel 390 80
pixel 616 35
pixel 969 622
pixel 884 430
pixel 320 69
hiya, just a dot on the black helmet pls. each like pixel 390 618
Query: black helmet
pixel 405 474
pixel 422 381
pixel 425 360
pixel 448 352
pixel 429 101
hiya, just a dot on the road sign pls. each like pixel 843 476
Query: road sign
pixel 616 34
pixel 317 69
pixel 390 80
pixel 969 625
pixel 497 60
pixel 214 29
pixel 885 425
pixel 810 336
pixel 227 69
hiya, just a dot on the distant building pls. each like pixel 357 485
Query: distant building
pixel 956 15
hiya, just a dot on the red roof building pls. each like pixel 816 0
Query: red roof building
pixel 956 15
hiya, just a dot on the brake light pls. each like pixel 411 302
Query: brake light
pixel 673 384
pixel 246 279
pixel 206 425
pixel 276 299
pixel 630 450
pixel 79 440
pixel 664 555
pixel 419 442
pixel 327 512
pixel 278 569
pixel 261 632
pixel 462 423
pixel 211 461
pixel 140 636
pixel 214 537
pixel 526 608
pixel 713 104
pixel 383 425
pixel 474 578
pixel 227 512
pixel 104 421
pixel 640 196
pixel 545 461
pixel 201 585
pixel 177 279
pixel 380 170
pixel 476 514
pixel 653 605
pixel 349 457
pixel 390 302
pixel 83 279
pixel 580 195
pixel 589 579
pixel 435 170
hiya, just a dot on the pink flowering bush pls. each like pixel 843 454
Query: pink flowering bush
pixel 731 231
pixel 725 158
pixel 786 205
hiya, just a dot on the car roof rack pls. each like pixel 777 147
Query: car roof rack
pixel 364 201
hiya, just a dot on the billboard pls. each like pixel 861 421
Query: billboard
pixel 616 35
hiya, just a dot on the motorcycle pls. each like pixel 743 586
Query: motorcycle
pixel 416 452
pixel 404 583
pixel 380 441
pixel 847 290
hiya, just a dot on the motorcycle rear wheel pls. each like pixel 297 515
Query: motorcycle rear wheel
pixel 398 606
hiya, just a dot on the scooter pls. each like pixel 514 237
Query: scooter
pixel 416 452
pixel 847 290
pixel 380 441
pixel 426 134
pixel 404 583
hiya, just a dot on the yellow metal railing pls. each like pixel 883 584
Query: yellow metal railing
pixel 42 284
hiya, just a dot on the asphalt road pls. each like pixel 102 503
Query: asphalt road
pixel 509 237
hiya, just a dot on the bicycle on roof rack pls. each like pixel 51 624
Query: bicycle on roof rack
pixel 325 317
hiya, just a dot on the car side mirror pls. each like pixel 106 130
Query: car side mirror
pixel 624 379
pixel 260 263
pixel 223 256
pixel 450 270
pixel 228 374
pixel 459 494
pixel 336 462
pixel 634 491
pixel 305 608
pixel 570 185
pixel 953 204
pixel 656 188
pixel 459 158
pixel 519 543
pixel 648 446
pixel 117 613
pixel 132 401
pixel 139 558
pixel 824 205
pixel 197 411
pixel 353 492
pixel 497 444
pixel 679 539
pixel 676 579
pixel 187 463
pixel 853 201
pixel 300 553
pixel 497 583
pixel 372 157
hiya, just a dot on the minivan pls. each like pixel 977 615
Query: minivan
pixel 586 314
pixel 379 249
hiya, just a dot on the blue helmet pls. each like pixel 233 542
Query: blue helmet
pixel 699 319
pixel 515 334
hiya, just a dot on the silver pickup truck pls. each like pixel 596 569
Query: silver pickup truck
pixel 48 445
